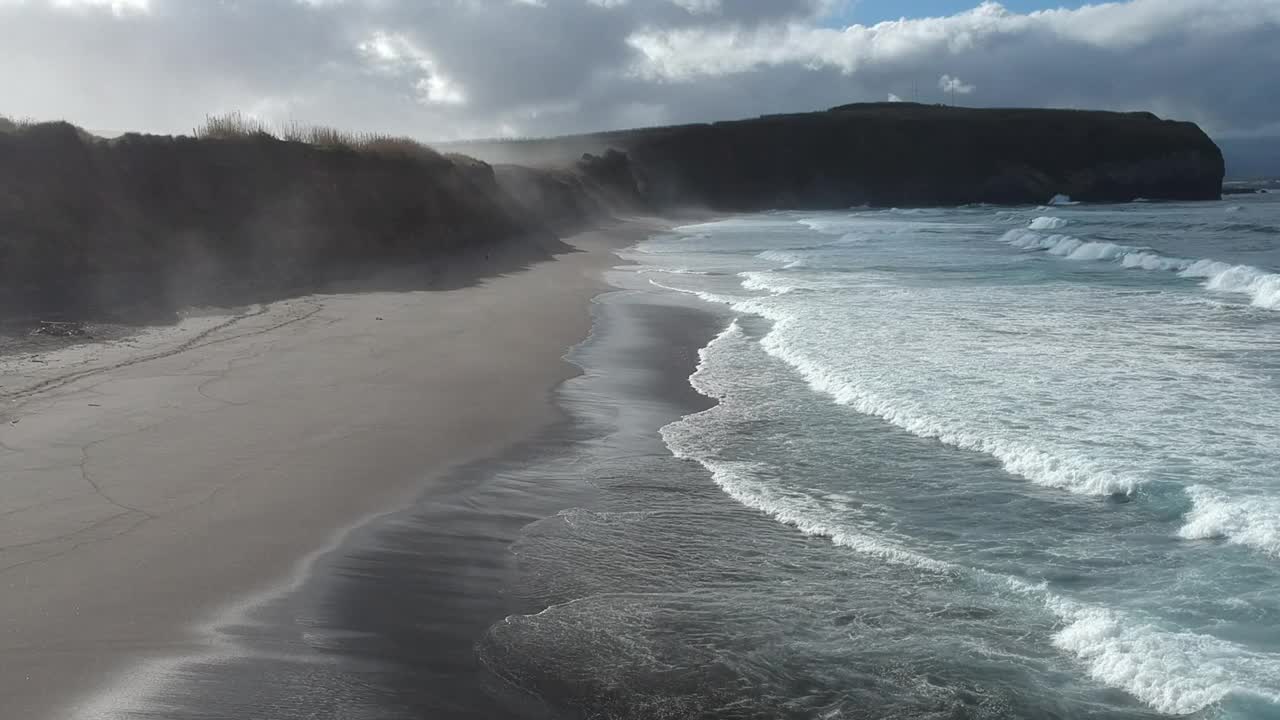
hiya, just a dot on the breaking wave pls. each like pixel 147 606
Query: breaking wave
pixel 1074 474
pixel 1177 672
pixel 765 281
pixel 1262 287
pixel 1250 521
pixel 1047 222
pixel 1172 671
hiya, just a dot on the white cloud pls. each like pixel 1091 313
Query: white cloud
pixel 683 53
pixel 894 98
pixel 450 68
pixel 117 7
pixel 954 85
pixel 397 55
pixel 698 7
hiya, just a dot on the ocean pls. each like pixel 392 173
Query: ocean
pixel 1029 459
pixel 972 463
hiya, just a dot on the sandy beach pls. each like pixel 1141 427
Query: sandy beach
pixel 150 484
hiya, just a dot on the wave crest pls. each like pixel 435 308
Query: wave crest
pixel 1262 287
pixel 1253 522
pixel 1047 222
pixel 1173 672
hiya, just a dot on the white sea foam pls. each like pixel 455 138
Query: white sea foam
pixel 1151 260
pixel 740 481
pixel 703 379
pixel 673 271
pixel 1048 222
pixel 1261 286
pixel 1056 395
pixel 1076 474
pixel 701 294
pixel 1175 672
pixel 826 226
pixel 1172 671
pixel 748 483
pixel 779 256
pixel 1249 521
pixel 765 281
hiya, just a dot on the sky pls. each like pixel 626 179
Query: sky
pixel 451 69
pixel 869 12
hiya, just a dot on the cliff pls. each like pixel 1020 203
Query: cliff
pixel 902 154
pixel 135 227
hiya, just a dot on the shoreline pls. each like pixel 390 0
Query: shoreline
pixel 150 496
pixel 389 620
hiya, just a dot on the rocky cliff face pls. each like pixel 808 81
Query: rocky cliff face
pixel 903 154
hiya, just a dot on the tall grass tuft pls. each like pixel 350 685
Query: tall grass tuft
pixel 237 126
pixel 14 125
pixel 231 126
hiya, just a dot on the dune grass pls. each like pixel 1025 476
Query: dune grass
pixel 14 125
pixel 236 125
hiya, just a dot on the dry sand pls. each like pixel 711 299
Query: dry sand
pixel 146 485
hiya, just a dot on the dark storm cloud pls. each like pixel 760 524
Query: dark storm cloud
pixel 445 68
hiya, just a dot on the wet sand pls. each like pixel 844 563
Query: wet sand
pixel 144 499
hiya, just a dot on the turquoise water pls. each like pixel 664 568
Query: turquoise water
pixel 1042 446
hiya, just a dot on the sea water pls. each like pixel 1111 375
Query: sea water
pixel 1039 446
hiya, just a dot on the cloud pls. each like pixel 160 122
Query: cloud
pixel 117 7
pixel 450 68
pixel 954 86
pixel 396 54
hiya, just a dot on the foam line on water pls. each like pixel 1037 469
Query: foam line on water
pixel 1077 475
pixel 1262 287
pixel 779 256
pixel 745 481
pixel 1171 671
pixel 673 271
pixel 765 281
